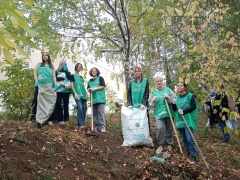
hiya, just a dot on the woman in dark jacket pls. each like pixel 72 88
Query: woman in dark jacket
pixel 221 109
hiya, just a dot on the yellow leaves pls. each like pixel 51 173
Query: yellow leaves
pixel 23 52
pixel 204 25
pixel 236 132
pixel 14 21
pixel 235 114
pixel 34 19
pixel 231 40
pixel 29 2
pixel 20 13
pixel 211 16
pixel 163 24
pixel 217 103
pixel 8 56
pixel 170 10
pixel 190 13
pixel 180 79
pixel 225 110
pixel 223 117
pixel 168 21
pixel 187 80
pixel 228 34
pixel 179 12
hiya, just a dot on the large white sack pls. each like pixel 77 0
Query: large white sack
pixel 135 127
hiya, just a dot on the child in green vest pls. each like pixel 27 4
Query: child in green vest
pixel 96 86
pixel 63 92
pixel 161 115
pixel 79 94
pixel 187 107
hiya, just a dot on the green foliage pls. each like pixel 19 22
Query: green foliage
pixel 17 90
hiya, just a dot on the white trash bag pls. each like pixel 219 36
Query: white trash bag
pixel 135 127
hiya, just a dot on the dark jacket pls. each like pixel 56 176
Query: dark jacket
pixel 222 97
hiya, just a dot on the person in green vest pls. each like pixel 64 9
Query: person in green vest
pixel 80 94
pixel 96 86
pixel 161 115
pixel 63 92
pixel 45 80
pixel 138 90
pixel 187 107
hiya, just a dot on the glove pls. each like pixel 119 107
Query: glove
pixel 66 79
pixel 142 107
pixel 62 75
pixel 153 102
pixel 64 66
pixel 36 84
pixel 180 111
pixel 55 87
pixel 166 96
pixel 77 97
pixel 154 99
pixel 91 89
pixel 130 107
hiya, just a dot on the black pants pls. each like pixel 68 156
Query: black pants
pixel 34 103
pixel 62 113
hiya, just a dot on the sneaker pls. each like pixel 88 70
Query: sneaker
pixel 225 140
pixel 50 123
pixel 192 159
pixel 39 125
pixel 62 123
pixel 159 150
pixel 31 119
pixel 103 131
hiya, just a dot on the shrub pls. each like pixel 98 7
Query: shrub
pixel 17 90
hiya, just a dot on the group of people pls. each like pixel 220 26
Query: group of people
pixel 53 88
pixel 166 105
pixel 221 108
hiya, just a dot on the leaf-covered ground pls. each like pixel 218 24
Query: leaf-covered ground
pixel 27 152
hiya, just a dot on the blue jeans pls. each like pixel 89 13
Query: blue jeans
pixel 81 111
pixel 222 125
pixel 188 141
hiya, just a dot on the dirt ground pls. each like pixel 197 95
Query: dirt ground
pixel 55 152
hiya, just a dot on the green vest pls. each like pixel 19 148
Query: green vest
pixel 45 75
pixel 79 86
pixel 191 117
pixel 138 90
pixel 99 95
pixel 161 111
pixel 62 88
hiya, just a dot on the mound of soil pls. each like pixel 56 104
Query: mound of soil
pixel 55 152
